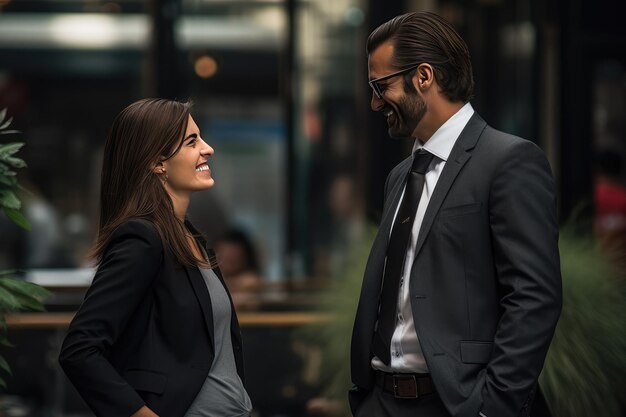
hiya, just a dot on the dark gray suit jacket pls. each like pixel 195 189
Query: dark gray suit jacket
pixel 485 285
pixel 144 333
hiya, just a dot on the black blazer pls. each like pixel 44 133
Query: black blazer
pixel 144 333
pixel 485 285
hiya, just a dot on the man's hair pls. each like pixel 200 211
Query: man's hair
pixel 425 37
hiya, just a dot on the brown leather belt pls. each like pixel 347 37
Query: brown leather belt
pixel 405 385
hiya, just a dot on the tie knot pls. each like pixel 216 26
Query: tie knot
pixel 421 160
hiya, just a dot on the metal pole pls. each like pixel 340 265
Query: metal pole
pixel 287 82
pixel 164 67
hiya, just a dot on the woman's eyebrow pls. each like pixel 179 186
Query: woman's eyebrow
pixel 192 136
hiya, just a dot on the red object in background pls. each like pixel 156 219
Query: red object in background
pixel 610 214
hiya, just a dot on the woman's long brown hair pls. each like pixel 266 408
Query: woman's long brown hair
pixel 144 133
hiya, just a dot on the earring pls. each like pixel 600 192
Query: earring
pixel 165 177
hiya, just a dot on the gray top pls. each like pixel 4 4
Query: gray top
pixel 222 394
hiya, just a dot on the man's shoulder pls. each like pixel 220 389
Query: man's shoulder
pixel 494 142
pixel 494 136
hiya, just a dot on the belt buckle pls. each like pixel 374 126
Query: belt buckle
pixel 398 393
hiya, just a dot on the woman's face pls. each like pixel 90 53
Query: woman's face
pixel 187 171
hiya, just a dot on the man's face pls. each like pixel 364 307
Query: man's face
pixel 403 107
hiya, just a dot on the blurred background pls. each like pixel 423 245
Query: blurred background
pixel 280 91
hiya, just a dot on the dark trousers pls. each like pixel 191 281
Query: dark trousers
pixel 383 404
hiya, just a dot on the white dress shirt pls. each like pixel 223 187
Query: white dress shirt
pixel 406 353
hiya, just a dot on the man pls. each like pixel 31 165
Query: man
pixel 462 288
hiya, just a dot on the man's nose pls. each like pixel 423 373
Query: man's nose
pixel 376 103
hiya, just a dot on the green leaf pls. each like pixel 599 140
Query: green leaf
pixel 4 342
pixel 7 132
pixel 10 282
pixel 3 384
pixel 19 286
pixel 14 163
pixel 17 218
pixel 10 148
pixel 4 365
pixel 3 113
pixel 28 296
pixel 30 304
pixel 27 302
pixel 8 180
pixel 8 300
pixel 7 124
pixel 8 199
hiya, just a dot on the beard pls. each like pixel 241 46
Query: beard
pixel 408 113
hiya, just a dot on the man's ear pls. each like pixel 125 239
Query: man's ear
pixel 424 77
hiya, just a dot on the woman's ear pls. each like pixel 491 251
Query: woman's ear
pixel 158 168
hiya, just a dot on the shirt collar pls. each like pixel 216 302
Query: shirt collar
pixel 441 142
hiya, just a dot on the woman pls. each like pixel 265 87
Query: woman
pixel 156 333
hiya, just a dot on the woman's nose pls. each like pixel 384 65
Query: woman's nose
pixel 207 149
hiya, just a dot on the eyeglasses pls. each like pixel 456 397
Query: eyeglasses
pixel 378 90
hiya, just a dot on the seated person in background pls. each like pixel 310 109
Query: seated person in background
pixel 238 262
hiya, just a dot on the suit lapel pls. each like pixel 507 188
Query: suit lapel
pixel 459 156
pixel 370 292
pixel 379 247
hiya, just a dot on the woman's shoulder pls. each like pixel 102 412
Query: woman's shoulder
pixel 137 225
pixel 137 229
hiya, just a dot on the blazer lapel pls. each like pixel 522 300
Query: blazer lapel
pixel 459 155
pixel 202 294
pixel 234 321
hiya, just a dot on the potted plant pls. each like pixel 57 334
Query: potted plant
pixel 15 293
pixel 585 368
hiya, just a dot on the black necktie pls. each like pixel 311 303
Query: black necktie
pixel 396 254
